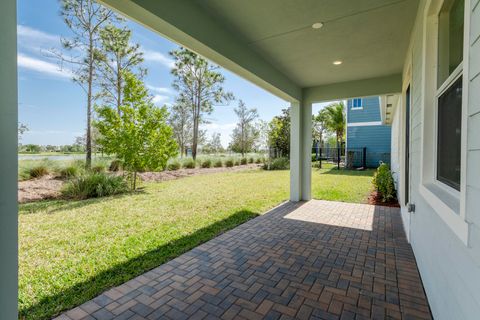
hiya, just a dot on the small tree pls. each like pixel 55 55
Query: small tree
pixel 139 135
pixel 200 86
pixel 214 145
pixel 279 133
pixel 181 122
pixel 117 56
pixel 245 133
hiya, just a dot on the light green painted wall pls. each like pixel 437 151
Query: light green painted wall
pixel 351 89
pixel 8 161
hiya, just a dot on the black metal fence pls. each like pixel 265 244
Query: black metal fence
pixel 352 158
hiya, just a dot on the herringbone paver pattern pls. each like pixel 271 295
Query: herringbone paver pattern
pixel 313 260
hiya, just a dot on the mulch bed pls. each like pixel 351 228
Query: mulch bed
pixel 376 199
pixel 48 187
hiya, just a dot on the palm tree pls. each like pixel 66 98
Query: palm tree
pixel 335 120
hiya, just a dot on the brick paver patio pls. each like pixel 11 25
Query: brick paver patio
pixel 313 260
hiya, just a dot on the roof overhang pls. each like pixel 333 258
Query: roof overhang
pixel 272 43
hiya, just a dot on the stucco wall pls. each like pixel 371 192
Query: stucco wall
pixel 450 269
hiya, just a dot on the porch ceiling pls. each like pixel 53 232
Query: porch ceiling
pixel 272 42
pixel 369 36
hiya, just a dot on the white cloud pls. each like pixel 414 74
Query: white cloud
pixel 155 56
pixel 42 66
pixel 36 41
pixel 160 99
pixel 27 33
pixel 160 90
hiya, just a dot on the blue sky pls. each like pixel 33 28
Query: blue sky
pixel 53 107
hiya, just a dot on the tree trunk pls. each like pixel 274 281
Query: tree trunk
pixel 119 87
pixel 88 160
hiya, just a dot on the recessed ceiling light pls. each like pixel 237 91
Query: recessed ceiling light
pixel 337 63
pixel 317 25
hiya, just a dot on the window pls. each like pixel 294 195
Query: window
pixel 449 94
pixel 450 38
pixel 357 103
pixel 449 135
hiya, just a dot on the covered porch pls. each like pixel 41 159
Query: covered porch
pixel 304 260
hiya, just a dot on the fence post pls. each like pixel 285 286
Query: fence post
pixel 338 157
pixel 364 157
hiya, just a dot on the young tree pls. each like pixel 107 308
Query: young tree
pixel 245 133
pixel 279 134
pixel 181 122
pixel 335 120
pixel 200 86
pixel 84 18
pixel 117 56
pixel 214 145
pixel 139 135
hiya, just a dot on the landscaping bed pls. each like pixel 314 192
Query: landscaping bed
pixel 49 186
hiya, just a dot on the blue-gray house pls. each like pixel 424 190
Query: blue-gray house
pixel 368 140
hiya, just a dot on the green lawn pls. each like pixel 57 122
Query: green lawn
pixel 72 251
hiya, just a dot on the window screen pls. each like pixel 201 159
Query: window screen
pixel 449 135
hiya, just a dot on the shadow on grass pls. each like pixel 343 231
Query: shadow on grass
pixel 55 205
pixel 347 172
pixel 118 274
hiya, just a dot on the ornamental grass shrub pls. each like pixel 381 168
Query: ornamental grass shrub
pixel 207 163
pixel 38 171
pixel 218 163
pixel 229 163
pixel 94 185
pixel 173 166
pixel 277 164
pixel 188 164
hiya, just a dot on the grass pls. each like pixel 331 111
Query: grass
pixel 329 183
pixel 70 251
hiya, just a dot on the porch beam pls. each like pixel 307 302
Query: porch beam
pixel 8 161
pixel 359 88
pixel 189 25
pixel 300 151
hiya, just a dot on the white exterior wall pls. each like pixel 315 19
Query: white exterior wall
pixel 449 262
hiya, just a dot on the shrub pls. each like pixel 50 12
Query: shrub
pixel 69 172
pixel 207 163
pixel 258 160
pixel 251 160
pixel 229 163
pixel 115 165
pixel 277 164
pixel 243 161
pixel 236 162
pixel 218 163
pixel 38 171
pixel 383 181
pixel 99 168
pixel 94 185
pixel 189 164
pixel 174 165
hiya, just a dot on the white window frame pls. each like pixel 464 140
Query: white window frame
pixel 447 202
pixel 361 104
pixel 454 76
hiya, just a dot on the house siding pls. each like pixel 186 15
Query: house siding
pixel 450 269
pixel 376 139
pixel 370 111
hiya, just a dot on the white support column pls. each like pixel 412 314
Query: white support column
pixel 8 161
pixel 300 151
